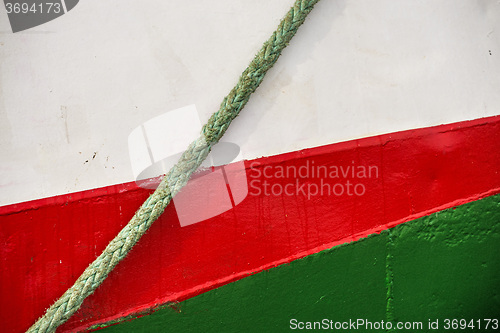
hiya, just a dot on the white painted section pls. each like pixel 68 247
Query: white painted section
pixel 72 90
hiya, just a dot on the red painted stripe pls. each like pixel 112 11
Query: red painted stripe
pixel 46 244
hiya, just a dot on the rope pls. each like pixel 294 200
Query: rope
pixel 178 176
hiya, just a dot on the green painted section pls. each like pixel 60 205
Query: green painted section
pixel 446 265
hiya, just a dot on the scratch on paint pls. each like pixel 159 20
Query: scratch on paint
pixel 64 115
pixel 389 279
pixel 320 299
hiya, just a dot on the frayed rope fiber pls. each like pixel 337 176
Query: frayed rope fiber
pixel 180 173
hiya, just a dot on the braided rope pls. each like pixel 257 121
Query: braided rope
pixel 180 173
